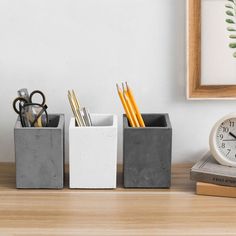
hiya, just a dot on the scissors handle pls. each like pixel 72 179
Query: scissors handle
pixel 40 93
pixel 18 99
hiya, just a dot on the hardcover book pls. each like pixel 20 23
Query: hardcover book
pixel 208 170
pixel 215 190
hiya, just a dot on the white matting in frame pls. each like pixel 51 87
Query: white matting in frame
pixel 218 63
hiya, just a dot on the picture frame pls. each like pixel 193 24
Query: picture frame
pixel 197 59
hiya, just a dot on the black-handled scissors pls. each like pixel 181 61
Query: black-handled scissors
pixel 27 99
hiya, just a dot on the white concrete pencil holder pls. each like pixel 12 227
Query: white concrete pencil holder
pixel 93 153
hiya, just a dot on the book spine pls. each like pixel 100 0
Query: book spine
pixel 213 179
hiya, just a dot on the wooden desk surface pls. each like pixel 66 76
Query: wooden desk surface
pixel 177 211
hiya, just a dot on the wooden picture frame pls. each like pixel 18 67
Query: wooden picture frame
pixel 195 90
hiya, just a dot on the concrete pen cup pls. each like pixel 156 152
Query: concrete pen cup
pixel 93 153
pixel 147 152
pixel 39 154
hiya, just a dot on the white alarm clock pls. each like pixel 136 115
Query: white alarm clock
pixel 223 140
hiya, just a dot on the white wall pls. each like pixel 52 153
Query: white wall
pixel 89 45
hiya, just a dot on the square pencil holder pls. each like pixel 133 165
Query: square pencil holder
pixel 93 153
pixel 39 154
pixel 147 152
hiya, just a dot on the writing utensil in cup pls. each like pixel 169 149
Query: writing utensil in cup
pixel 135 106
pixel 81 114
pixel 130 106
pixel 123 101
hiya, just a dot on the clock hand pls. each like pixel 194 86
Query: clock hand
pixel 232 135
pixel 225 140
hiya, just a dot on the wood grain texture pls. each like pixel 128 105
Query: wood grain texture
pixel 177 211
pixel 195 89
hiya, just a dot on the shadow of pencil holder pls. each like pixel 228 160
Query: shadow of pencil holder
pixel 39 154
pixel 147 152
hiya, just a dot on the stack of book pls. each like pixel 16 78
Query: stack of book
pixel 213 179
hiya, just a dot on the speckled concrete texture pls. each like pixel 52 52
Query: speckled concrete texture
pixel 39 154
pixel 147 152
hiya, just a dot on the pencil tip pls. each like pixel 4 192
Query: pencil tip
pixel 123 86
pixel 117 86
pixel 127 85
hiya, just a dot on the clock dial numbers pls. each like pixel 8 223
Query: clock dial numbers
pixel 228 151
pixel 225 129
pixel 226 139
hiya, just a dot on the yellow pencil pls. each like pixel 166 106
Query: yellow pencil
pixel 130 107
pixel 135 106
pixel 125 106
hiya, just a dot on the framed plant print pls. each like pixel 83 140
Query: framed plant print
pixel 211 50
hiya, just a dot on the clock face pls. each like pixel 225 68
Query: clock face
pixel 226 139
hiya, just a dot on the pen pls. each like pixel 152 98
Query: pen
pixel 74 110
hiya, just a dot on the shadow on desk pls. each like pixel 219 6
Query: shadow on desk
pixel 180 179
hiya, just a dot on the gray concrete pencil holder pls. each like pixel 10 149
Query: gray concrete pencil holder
pixel 147 152
pixel 39 154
